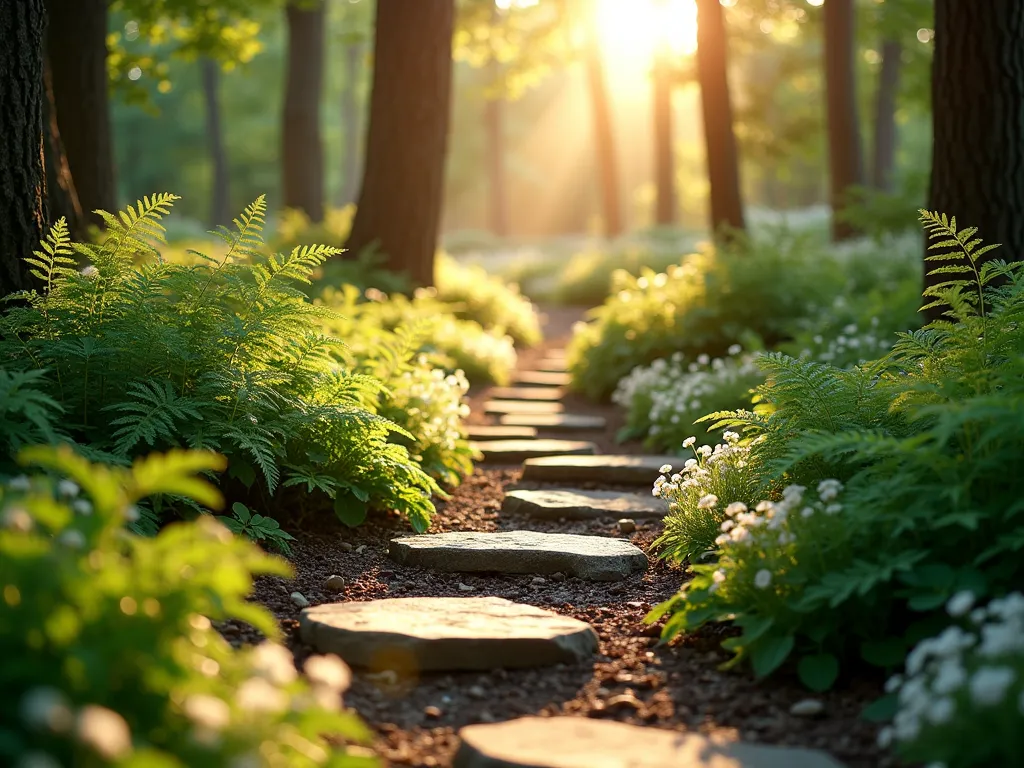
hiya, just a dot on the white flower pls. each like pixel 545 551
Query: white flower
pixel 736 508
pixel 72 539
pixel 730 437
pixel 689 441
pixel 941 711
pixel 988 685
pixel 67 488
pixel 960 603
pixel 82 507
pixel 665 469
pixel 207 711
pixel 105 731
pixel 762 578
pixel 735 349
pixel 329 671
pixel 46 707
pixel 704 450
pixel 833 509
pixel 718 576
pixel 19 483
pixel 728 525
pixel 885 737
pixel 703 359
pixel 807 511
pixel 274 663
pixel 829 489
pixel 893 683
pixel 707 502
pixel 258 695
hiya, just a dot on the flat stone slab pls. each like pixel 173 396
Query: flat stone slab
pixel 575 504
pixel 482 432
pixel 562 422
pixel 580 742
pixel 552 365
pixel 518 451
pixel 415 634
pixel 611 469
pixel 527 393
pixel 541 379
pixel 502 407
pixel 597 558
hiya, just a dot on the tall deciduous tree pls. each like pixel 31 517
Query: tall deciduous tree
pixel 77 50
pixel 604 133
pixel 883 159
pixel 846 165
pixel 22 176
pixel 726 209
pixel 302 147
pixel 61 194
pixel 220 195
pixel 351 121
pixel 662 76
pixel 399 209
pixel 978 120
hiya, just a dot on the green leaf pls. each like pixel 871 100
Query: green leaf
pixel 768 653
pixel 350 510
pixel 241 511
pixel 884 653
pixel 230 523
pixel 927 602
pixel 818 672
pixel 881 710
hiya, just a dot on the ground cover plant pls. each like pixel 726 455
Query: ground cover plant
pixel 224 354
pixel 858 501
pixel 736 294
pixel 109 654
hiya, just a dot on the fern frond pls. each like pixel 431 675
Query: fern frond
pixel 53 262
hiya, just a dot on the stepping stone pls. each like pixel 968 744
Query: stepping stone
pixel 527 393
pixel 555 354
pixel 481 432
pixel 598 558
pixel 554 421
pixel 581 742
pixel 614 470
pixel 552 365
pixel 540 379
pixel 582 505
pixel 422 634
pixel 502 407
pixel 518 451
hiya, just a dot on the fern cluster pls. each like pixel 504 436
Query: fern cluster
pixel 222 354
pixel 926 441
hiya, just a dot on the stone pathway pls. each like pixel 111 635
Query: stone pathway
pixel 413 635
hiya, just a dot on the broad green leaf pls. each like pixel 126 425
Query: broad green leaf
pixel 818 672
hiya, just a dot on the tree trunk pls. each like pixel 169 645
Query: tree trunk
pixel 302 149
pixel 978 122
pixel 664 161
pixel 885 116
pixel 352 123
pixel 493 125
pixel 220 196
pixel 400 202
pixel 604 135
pixel 846 167
pixel 22 175
pixel 719 136
pixel 61 195
pixel 77 47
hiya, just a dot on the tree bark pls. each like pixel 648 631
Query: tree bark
pixel 664 161
pixel 77 47
pixel 399 209
pixel 884 160
pixel 352 122
pixel 22 174
pixel 604 134
pixel 846 165
pixel 494 127
pixel 302 147
pixel 978 122
pixel 726 209
pixel 61 195
pixel 220 195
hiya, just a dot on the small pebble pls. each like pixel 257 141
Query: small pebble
pixel 434 712
pixel 558 576
pixel 360 549
pixel 334 584
pixel 477 692
pixel 300 600
pixel 465 587
pixel 627 525
pixel 345 546
pixel 539 580
pixel 807 708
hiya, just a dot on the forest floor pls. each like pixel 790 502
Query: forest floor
pixel 632 679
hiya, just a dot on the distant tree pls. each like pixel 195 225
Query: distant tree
pixel 220 194
pixel 662 81
pixel 726 209
pixel 77 50
pixel 883 160
pixel 604 132
pixel 302 163
pixel 978 121
pixel 399 209
pixel 61 194
pixel 846 165
pixel 22 177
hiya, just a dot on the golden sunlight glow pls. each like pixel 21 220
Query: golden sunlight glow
pixel 630 30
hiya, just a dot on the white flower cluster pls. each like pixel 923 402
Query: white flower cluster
pixel 852 346
pixel 433 403
pixel 668 395
pixel 696 472
pixel 963 675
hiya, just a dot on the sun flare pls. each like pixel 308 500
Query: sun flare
pixel 630 30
